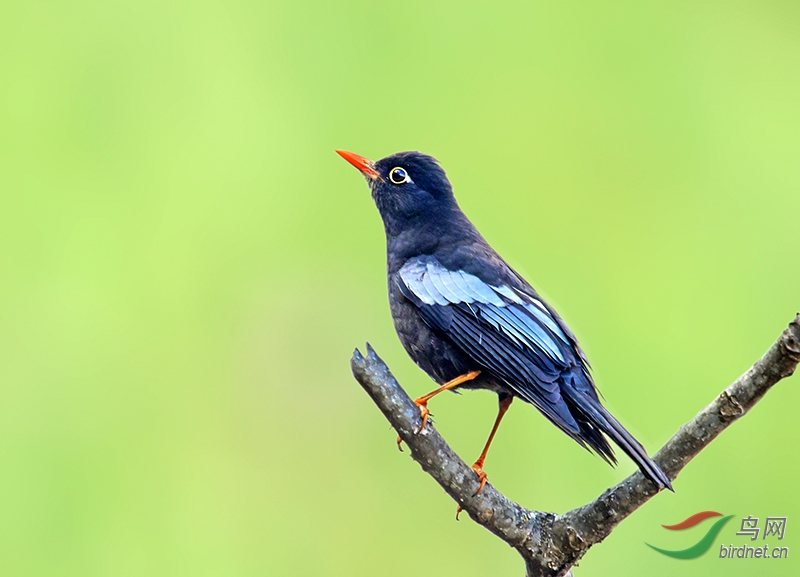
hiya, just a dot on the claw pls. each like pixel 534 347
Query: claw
pixel 422 402
pixel 424 413
pixel 481 475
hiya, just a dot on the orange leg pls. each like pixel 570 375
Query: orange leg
pixel 422 402
pixel 478 466
pixel 505 403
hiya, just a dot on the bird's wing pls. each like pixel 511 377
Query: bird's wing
pixel 505 330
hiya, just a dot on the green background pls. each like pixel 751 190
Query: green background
pixel 187 266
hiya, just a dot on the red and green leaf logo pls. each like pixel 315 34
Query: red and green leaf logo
pixel 703 544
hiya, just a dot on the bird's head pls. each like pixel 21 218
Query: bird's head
pixel 410 189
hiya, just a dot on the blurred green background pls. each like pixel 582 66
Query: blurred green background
pixel 187 267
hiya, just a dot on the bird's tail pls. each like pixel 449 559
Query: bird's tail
pixel 599 417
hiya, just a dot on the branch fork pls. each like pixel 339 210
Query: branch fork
pixel 551 544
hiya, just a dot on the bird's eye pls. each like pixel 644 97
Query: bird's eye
pixel 399 175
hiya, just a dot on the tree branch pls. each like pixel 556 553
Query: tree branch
pixel 551 544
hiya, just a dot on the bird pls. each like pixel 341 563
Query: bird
pixel 470 321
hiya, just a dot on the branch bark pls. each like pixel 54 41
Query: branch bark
pixel 551 544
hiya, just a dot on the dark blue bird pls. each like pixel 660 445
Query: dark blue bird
pixel 470 321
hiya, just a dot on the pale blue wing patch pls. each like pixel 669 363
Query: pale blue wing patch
pixel 433 284
pixel 432 289
pixel 545 318
pixel 441 280
pixel 509 294
pixel 454 291
pixel 483 290
pixel 463 286
pixel 411 274
pixel 538 334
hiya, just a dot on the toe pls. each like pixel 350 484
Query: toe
pixel 481 476
pixel 424 413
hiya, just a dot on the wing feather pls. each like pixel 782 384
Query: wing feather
pixel 494 326
pixel 524 343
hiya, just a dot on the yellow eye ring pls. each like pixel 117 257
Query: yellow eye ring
pixel 399 175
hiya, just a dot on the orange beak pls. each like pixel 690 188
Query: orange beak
pixel 367 167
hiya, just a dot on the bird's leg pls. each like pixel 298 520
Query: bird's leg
pixel 422 402
pixel 505 402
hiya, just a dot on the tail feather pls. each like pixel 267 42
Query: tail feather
pixel 597 417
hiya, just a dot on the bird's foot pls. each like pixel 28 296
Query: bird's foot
pixel 424 413
pixel 422 402
pixel 478 468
